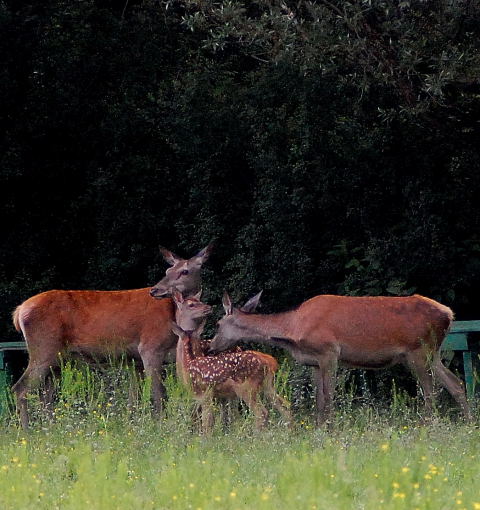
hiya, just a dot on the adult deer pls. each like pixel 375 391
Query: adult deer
pixel 97 323
pixel 359 332
pixel 242 374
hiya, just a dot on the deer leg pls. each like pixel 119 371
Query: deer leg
pixel 32 378
pixel 325 379
pixel 319 396
pixel 453 385
pixel 152 365
pixel 280 404
pixel 417 362
pixel 250 396
pixel 207 413
pixel 224 412
pixel 47 393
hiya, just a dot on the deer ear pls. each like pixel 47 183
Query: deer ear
pixel 170 257
pixel 202 256
pixel 177 296
pixel 251 305
pixel 227 303
pixel 177 329
pixel 198 295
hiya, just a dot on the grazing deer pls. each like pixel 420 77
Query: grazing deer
pixel 359 332
pixel 242 374
pixel 97 323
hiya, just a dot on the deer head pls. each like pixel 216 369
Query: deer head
pixel 190 310
pixel 230 328
pixel 184 275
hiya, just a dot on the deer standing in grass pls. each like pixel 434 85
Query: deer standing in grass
pixel 89 323
pixel 359 332
pixel 242 374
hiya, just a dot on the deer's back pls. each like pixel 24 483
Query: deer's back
pixel 374 323
pixel 87 318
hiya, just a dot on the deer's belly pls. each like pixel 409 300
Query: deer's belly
pixel 371 360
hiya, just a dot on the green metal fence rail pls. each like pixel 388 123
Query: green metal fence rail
pixel 456 341
pixel 4 372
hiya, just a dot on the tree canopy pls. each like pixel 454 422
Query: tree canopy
pixel 328 146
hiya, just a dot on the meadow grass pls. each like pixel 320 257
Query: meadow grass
pixel 103 450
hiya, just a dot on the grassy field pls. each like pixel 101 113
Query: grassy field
pixel 103 451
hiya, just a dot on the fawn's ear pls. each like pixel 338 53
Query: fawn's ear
pixel 177 296
pixel 227 303
pixel 198 295
pixel 169 256
pixel 177 329
pixel 251 305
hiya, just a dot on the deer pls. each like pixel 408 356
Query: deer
pixel 58 324
pixel 237 373
pixel 358 332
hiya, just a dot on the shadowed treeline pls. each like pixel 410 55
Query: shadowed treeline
pixel 326 146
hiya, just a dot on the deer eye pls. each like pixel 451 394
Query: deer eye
pixel 184 272
pixel 191 305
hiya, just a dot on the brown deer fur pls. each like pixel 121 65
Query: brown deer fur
pixel 364 332
pixel 99 323
pixel 242 374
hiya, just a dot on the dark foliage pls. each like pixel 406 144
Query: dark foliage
pixel 328 146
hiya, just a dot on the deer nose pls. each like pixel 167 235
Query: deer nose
pixel 154 292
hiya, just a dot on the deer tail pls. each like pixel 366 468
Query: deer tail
pixel 16 318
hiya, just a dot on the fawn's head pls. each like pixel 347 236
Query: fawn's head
pixel 190 311
pixel 184 275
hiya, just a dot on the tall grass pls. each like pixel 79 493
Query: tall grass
pixel 103 450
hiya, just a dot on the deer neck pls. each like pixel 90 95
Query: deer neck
pixel 183 358
pixel 267 328
pixel 188 323
pixel 196 348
